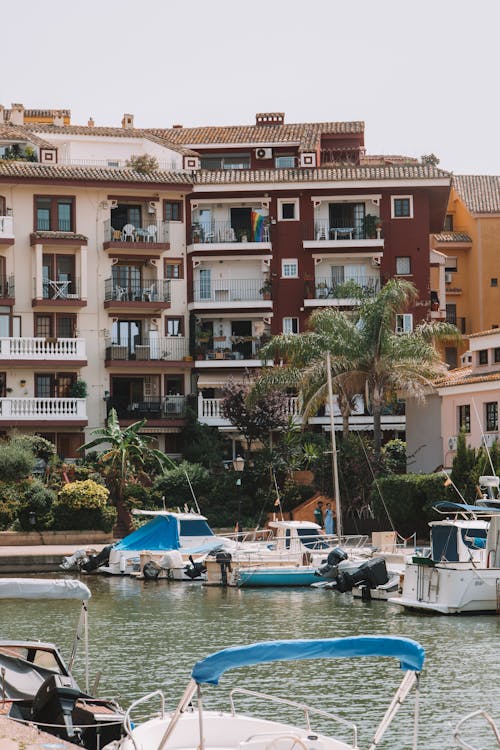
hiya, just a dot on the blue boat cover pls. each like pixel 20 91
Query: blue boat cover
pixel 159 534
pixel 410 653
pixel 468 508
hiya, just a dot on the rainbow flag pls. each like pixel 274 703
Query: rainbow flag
pixel 257 226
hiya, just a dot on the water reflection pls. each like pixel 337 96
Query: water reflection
pixel 145 635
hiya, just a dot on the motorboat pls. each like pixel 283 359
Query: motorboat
pixel 191 725
pixel 463 571
pixel 368 580
pixel 36 685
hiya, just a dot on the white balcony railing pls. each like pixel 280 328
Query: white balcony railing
pixel 211 409
pixel 6 226
pixel 40 348
pixel 43 408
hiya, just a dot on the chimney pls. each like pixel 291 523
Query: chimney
pixel 91 122
pixel 177 126
pixel 128 122
pixel 270 118
pixel 58 120
pixel 17 114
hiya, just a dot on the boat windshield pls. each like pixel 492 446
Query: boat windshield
pixel 195 527
pixel 474 538
pixel 40 657
pixel 312 538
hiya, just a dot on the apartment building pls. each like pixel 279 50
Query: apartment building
pixel 151 287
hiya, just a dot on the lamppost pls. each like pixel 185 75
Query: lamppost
pixel 238 466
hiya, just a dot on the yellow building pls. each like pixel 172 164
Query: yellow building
pixel 470 246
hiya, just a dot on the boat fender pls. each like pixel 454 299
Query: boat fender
pixel 490 560
pixel 151 571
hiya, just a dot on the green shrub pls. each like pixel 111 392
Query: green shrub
pixel 174 486
pixel 408 499
pixel 39 446
pixel 136 496
pixel 35 499
pixel 16 462
pixel 9 505
pixel 83 505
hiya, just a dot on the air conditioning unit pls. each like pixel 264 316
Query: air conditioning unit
pixel 448 277
pixel 452 443
pixel 152 206
pixel 263 153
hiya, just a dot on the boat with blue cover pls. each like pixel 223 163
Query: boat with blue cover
pixel 191 725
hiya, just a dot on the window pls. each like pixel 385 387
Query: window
pixel 491 414
pixel 61 326
pixel 290 325
pixel 404 323
pixel 289 268
pixel 58 276
pixel 451 357
pixel 54 214
pixel 233 161
pixel 173 210
pixel 10 325
pixel 284 162
pixel 54 385
pixel 464 417
pixel 401 206
pixel 496 354
pixel 482 357
pixel 494 281
pixel 288 210
pixel 174 326
pixel 174 385
pixel 451 314
pixel 451 264
pixel 403 267
pixel 174 269
pixel 448 223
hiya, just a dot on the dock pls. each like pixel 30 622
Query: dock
pixel 17 736
pixel 40 558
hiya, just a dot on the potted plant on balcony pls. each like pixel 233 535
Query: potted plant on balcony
pixel 348 290
pixel 79 389
pixel 266 288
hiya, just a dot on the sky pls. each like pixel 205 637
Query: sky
pixel 422 75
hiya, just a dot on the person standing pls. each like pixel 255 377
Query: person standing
pixel 329 522
pixel 318 513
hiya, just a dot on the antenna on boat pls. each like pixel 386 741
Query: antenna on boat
pixel 192 492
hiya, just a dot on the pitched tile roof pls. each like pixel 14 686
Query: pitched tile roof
pixel 321 174
pixel 480 193
pixel 46 235
pixel 464 376
pixel 452 237
pixel 489 332
pixel 108 174
pixel 10 132
pixel 307 135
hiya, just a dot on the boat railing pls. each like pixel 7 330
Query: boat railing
pixel 144 699
pixel 485 715
pixel 308 710
pixel 353 540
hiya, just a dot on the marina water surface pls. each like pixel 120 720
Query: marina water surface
pixel 146 635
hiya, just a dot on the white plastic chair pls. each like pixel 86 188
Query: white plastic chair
pixel 151 233
pixel 148 293
pixel 128 231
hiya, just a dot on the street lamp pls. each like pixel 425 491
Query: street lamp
pixel 238 466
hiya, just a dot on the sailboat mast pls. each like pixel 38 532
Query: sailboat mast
pixel 335 472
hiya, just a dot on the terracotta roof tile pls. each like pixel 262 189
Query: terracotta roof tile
pixel 63 172
pixel 464 376
pixel 326 174
pixel 489 332
pixel 480 193
pixel 45 235
pixel 452 237
pixel 306 135
pixel 10 132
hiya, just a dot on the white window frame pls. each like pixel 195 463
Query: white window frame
pixel 404 322
pixel 290 157
pixel 282 202
pixel 403 258
pixel 288 325
pixel 289 262
pixel 398 198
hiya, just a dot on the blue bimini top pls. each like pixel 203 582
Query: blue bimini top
pixel 410 653
pixel 159 534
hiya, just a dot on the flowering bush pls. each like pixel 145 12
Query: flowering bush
pixel 83 505
pixel 85 494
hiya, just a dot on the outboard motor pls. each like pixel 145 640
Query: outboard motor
pixel 95 561
pixel 195 569
pixel 330 568
pixel 370 574
pixel 151 570
pixel 224 560
pixel 54 704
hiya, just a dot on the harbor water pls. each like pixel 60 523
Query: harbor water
pixel 146 635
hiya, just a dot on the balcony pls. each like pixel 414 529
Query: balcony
pixel 168 349
pixel 7 290
pixel 341 234
pixel 149 235
pixel 33 411
pixel 225 350
pixel 60 291
pixel 22 351
pixel 154 407
pixel 210 411
pixel 327 291
pixel 150 294
pixel 225 292
pixel 223 232
pixel 6 230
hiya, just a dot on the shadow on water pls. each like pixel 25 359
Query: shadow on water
pixel 149 634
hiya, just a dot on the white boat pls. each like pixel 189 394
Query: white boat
pixel 463 572
pixel 36 685
pixel 190 725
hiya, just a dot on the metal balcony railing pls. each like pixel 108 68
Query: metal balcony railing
pixel 230 290
pixel 172 348
pixel 148 231
pixel 41 348
pixel 143 290
pixel 7 287
pixel 356 286
pixel 222 231
pixel 43 408
pixel 342 230
pixel 61 287
pixel 154 407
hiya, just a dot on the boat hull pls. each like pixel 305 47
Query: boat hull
pixel 279 576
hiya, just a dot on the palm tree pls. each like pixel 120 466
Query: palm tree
pixel 367 355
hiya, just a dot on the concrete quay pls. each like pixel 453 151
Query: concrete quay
pixel 42 558
pixel 16 736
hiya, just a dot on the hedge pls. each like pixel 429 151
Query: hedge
pixel 409 499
